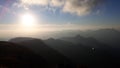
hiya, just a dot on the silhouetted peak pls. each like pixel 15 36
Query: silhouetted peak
pixel 6 43
pixel 52 39
pixel 78 36
pixel 108 30
pixel 22 39
pixel 12 46
pixel 33 42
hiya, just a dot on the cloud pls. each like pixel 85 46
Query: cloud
pixel 77 7
pixel 35 2
pixel 57 3
pixel 80 7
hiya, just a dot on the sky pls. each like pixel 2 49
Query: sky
pixel 51 15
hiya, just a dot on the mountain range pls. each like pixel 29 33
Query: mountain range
pixel 90 49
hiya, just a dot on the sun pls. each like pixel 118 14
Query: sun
pixel 27 23
pixel 27 20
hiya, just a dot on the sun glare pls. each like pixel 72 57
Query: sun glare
pixel 28 20
pixel 27 23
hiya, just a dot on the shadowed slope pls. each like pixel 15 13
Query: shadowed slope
pixel 48 53
pixel 85 51
pixel 15 56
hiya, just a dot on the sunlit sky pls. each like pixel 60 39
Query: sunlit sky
pixel 35 15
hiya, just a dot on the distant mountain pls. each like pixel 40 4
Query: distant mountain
pixel 86 51
pixel 21 39
pixel 39 47
pixel 107 36
pixel 83 51
pixel 67 48
pixel 15 56
pixel 86 41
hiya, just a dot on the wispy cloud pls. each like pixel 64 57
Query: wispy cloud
pixel 77 7
pixel 35 2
